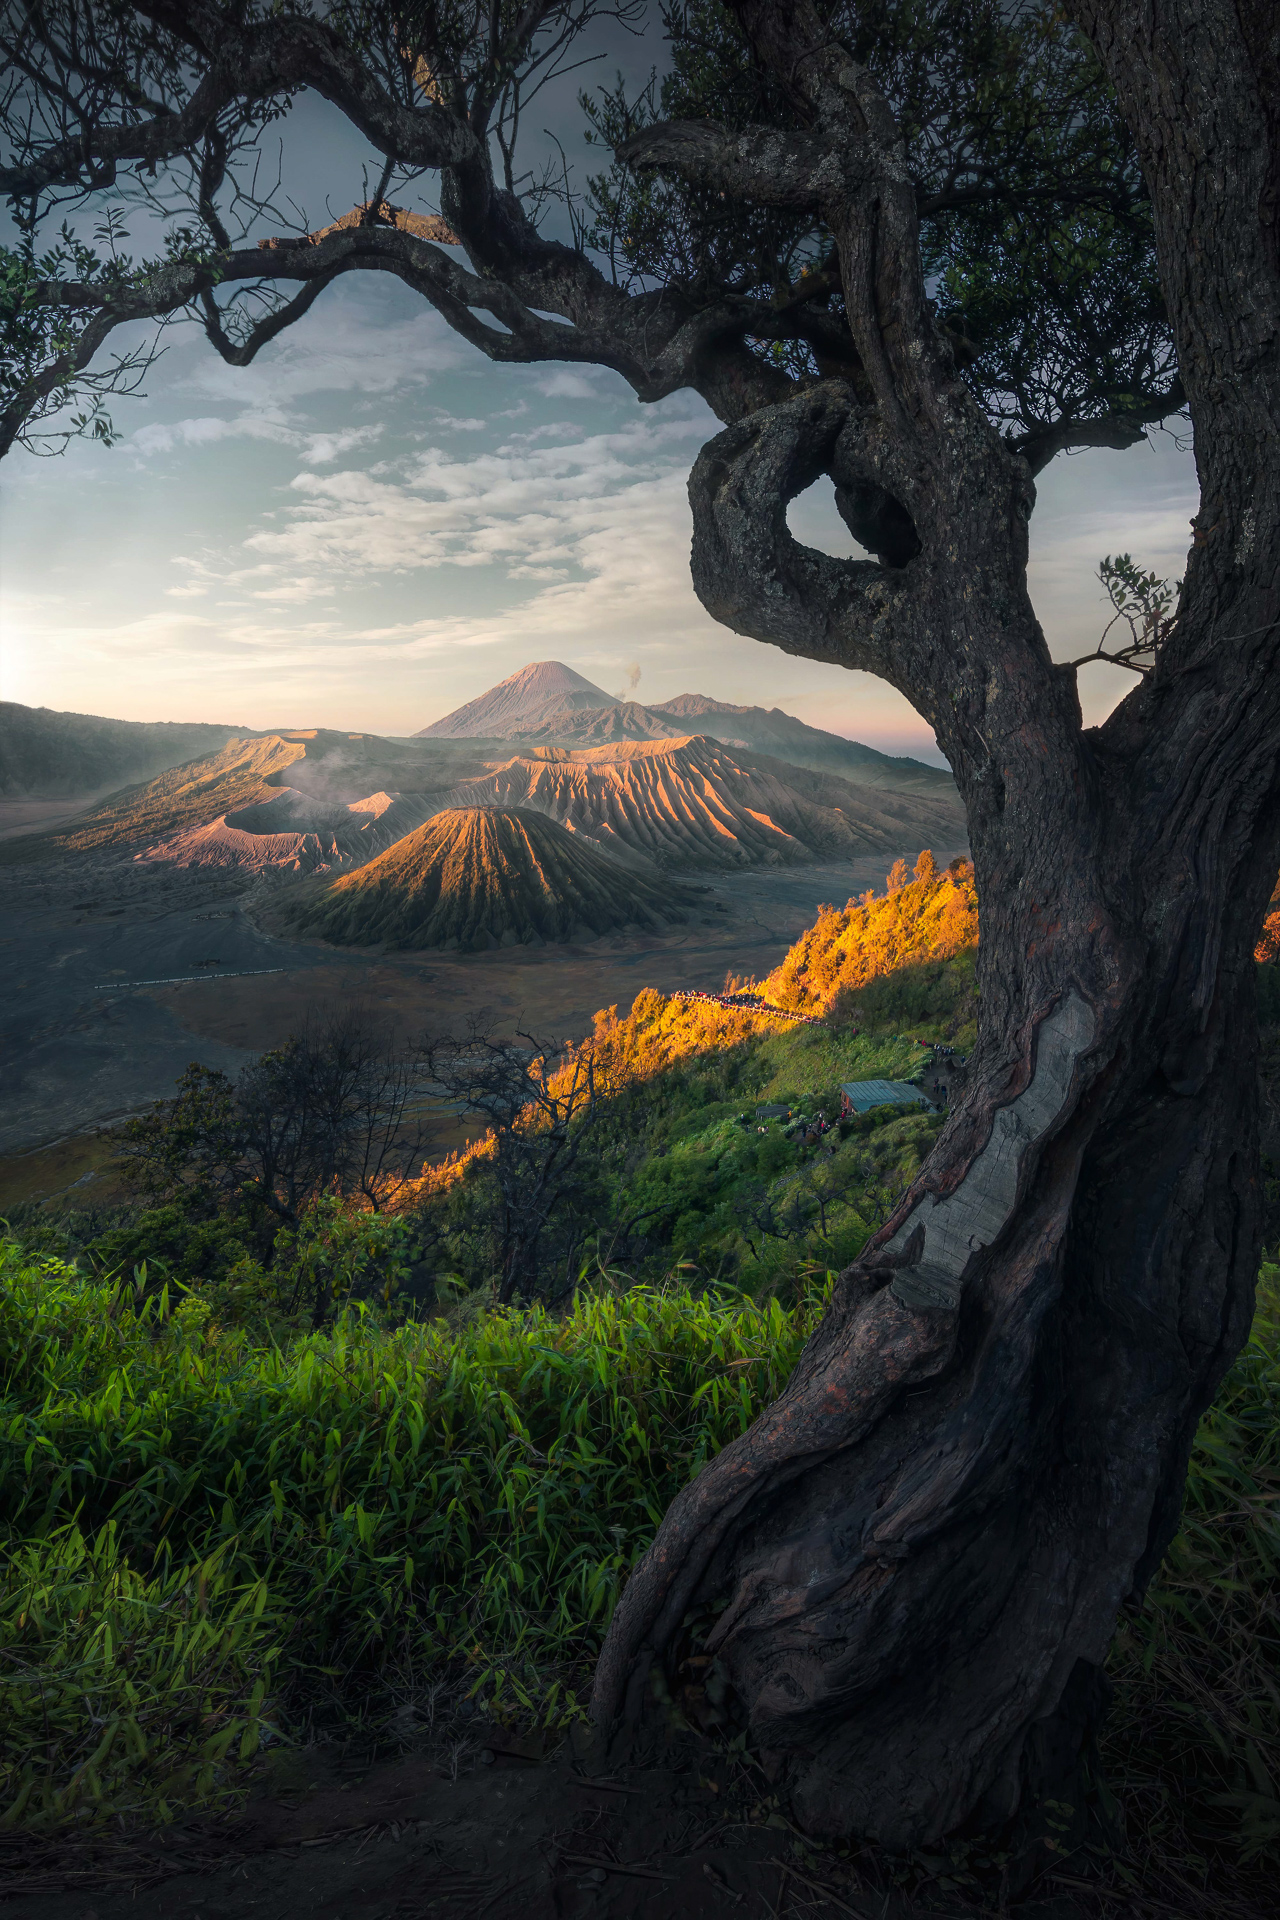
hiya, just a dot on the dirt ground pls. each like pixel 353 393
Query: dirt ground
pixel 62 1175
pixel 491 1833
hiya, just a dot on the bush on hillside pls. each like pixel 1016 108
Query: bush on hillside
pixel 933 919
pixel 336 1106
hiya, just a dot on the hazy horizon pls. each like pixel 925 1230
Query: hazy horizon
pixel 106 609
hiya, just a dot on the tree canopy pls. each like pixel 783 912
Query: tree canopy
pixel 1035 229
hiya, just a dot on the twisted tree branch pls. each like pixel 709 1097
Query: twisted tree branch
pixel 1119 431
pixel 762 164
pixel 260 61
pixel 753 575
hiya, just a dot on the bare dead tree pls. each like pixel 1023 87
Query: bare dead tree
pixel 540 1106
pixel 788 1214
pixel 337 1106
pixel 920 254
pixel 879 1191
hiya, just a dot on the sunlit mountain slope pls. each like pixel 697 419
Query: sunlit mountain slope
pixel 235 776
pixel 693 803
pixel 521 701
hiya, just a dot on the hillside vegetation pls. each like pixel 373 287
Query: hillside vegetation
pixel 914 930
pixel 222 1527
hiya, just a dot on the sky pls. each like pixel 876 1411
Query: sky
pixel 372 524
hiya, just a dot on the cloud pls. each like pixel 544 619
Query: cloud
pixel 205 430
pixel 554 430
pixel 352 341
pixel 581 540
pixel 566 384
pixel 520 507
pixel 315 449
pixel 320 448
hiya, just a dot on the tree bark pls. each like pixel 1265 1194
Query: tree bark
pixel 922 1546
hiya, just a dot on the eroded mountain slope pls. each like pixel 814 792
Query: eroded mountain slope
pixel 694 803
pixel 297 800
pixel 237 775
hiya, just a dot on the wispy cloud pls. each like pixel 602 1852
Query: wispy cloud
pixel 532 510
pixel 314 449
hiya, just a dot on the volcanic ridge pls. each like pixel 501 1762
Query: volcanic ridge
pixel 691 802
pixel 314 802
pixel 320 803
pixel 475 878
pixel 549 704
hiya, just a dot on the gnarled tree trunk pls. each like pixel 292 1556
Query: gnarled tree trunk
pixel 923 1544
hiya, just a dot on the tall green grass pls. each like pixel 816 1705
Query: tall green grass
pixel 198 1533
pixel 468 1500
pixel 1192 1748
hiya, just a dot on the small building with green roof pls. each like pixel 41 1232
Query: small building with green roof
pixel 859 1096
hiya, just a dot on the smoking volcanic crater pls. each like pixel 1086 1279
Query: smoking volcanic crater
pixel 475 878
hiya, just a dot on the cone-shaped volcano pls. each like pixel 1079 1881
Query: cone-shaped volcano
pixel 481 877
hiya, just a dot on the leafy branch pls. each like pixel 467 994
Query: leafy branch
pixel 1142 602
pixel 56 309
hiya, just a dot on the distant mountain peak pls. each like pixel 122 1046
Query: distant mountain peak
pixel 519 703
pixel 548 703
